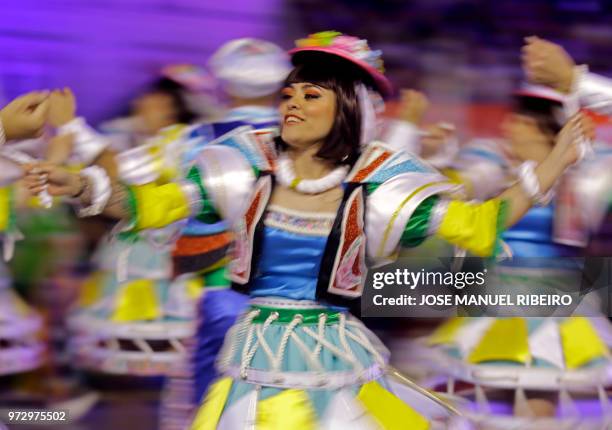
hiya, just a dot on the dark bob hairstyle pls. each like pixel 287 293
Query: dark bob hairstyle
pixel 174 90
pixel 342 145
pixel 545 112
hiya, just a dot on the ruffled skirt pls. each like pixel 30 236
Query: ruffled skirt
pixel 299 364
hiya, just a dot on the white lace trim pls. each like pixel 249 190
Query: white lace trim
pixel 307 223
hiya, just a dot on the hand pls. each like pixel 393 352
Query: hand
pixel 25 116
pixel 62 107
pixel 413 105
pixel 435 137
pixel 548 64
pixel 566 147
pixel 56 180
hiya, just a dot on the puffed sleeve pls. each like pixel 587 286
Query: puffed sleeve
pixel 594 91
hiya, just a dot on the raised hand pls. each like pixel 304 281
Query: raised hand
pixel 578 131
pixel 62 107
pixel 56 180
pixel 548 64
pixel 25 116
pixel 435 137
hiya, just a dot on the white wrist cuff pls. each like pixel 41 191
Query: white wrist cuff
pixel 579 74
pixel 88 143
pixel 571 103
pixel 100 192
pixel 530 184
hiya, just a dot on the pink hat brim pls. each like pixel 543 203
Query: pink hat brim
pixel 383 85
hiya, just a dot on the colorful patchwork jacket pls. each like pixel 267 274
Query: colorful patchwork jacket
pixel 390 199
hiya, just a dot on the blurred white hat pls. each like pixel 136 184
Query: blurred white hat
pixel 250 68
pixel 540 92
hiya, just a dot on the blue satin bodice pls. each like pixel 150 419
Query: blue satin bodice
pixel 291 257
pixel 289 265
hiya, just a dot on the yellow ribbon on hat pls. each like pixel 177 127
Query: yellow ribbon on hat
pixel 506 339
pixel 137 300
pixel 209 413
pixel 581 343
pixel 389 410
pixel 290 409
pixel 446 333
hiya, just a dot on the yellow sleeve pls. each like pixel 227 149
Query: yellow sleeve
pixel 7 213
pixel 156 206
pixel 475 227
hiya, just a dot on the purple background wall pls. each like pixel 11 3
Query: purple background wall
pixel 107 49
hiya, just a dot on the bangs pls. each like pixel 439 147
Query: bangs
pixel 548 113
pixel 313 75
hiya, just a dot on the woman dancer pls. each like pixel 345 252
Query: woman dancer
pixel 541 358
pixel 296 359
pixel 20 347
pixel 128 321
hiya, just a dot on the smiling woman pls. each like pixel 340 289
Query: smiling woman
pixel 297 358
pixel 307 111
pixel 320 96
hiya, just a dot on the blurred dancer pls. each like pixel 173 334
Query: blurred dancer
pixel 250 73
pixel 540 355
pixel 179 96
pixel 20 347
pixel 128 322
pixel 549 64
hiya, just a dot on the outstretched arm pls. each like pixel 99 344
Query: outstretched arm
pixel 477 226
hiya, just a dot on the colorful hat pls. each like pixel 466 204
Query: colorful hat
pixel 193 78
pixel 349 48
pixel 250 68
